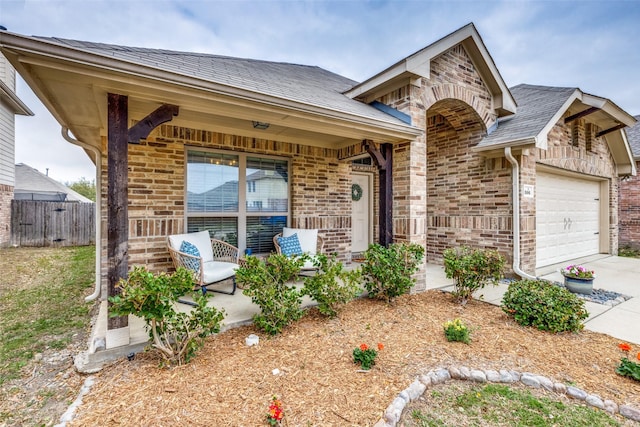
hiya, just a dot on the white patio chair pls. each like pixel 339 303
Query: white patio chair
pixel 212 261
pixel 309 242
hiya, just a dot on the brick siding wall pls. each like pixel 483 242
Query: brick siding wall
pixel 629 214
pixel 320 191
pixel 6 195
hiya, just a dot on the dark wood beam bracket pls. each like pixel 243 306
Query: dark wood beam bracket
pixel 613 129
pixel 143 128
pixel 581 114
pixel 383 158
pixel 118 138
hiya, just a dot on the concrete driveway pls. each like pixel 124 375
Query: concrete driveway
pixel 613 273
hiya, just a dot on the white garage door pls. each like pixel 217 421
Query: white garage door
pixel 567 218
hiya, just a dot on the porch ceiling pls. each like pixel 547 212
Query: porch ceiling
pixel 73 86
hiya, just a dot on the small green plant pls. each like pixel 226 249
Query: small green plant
pixel 456 330
pixel 176 335
pixel 472 270
pixel 387 271
pixel 545 306
pixel 628 251
pixel 366 356
pixel 331 287
pixel 267 283
pixel 276 413
pixel 628 368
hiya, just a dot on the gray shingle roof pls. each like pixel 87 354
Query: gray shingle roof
pixel 536 107
pixel 301 83
pixel 633 136
pixel 30 184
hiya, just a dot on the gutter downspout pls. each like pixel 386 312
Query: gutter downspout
pixel 515 181
pixel 96 151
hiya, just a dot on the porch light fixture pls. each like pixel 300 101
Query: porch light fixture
pixel 260 125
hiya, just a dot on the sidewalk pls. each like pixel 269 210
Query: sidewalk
pixel 618 274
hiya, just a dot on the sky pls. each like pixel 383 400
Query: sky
pixel 593 45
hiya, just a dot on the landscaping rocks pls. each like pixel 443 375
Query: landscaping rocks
pixel 630 412
pixel 394 411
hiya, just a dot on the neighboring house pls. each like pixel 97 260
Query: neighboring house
pixel 10 105
pixel 34 185
pixel 630 196
pixel 449 142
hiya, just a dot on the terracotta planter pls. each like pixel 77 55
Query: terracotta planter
pixel 578 286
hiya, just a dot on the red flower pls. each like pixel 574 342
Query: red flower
pixel 639 355
pixel 364 347
pixel 624 346
pixel 380 346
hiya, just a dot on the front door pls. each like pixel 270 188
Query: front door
pixel 360 212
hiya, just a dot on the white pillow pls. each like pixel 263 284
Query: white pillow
pixel 200 240
pixel 308 238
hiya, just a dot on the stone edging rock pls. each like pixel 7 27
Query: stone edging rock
pixel 439 376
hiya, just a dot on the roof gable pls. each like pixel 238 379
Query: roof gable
pixel 418 66
pixel 541 107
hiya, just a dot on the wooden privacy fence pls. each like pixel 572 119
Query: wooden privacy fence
pixel 36 223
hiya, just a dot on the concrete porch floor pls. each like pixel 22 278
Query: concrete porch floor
pixel 613 273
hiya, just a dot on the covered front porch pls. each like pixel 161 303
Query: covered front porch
pixel 239 311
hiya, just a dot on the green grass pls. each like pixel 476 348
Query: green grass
pixel 629 252
pixel 505 406
pixel 41 302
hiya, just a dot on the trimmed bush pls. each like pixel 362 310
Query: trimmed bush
pixel 266 283
pixel 331 287
pixel 545 306
pixel 472 270
pixel 176 335
pixel 387 271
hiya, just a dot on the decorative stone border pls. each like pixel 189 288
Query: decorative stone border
pixel 439 376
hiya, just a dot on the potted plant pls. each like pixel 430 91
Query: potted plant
pixel 578 279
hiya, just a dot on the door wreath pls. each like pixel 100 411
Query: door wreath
pixel 356 192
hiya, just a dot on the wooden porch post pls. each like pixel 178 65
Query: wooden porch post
pixel 117 190
pixel 383 158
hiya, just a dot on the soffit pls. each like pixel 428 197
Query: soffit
pixel 75 92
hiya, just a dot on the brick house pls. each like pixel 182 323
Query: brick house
pixel 437 142
pixel 10 105
pixel 630 196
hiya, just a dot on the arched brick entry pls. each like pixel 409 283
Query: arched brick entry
pixel 459 104
pixel 467 196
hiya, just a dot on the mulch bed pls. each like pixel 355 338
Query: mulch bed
pixel 229 383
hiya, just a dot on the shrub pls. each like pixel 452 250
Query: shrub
pixel 265 281
pixel 540 304
pixel 332 286
pixel 387 271
pixel 456 330
pixel 472 270
pixel 176 335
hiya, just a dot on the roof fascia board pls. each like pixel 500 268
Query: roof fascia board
pixel 14 102
pixel 419 64
pixel 541 137
pixel 622 156
pixel 47 54
pixel 502 145
pixel 610 108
